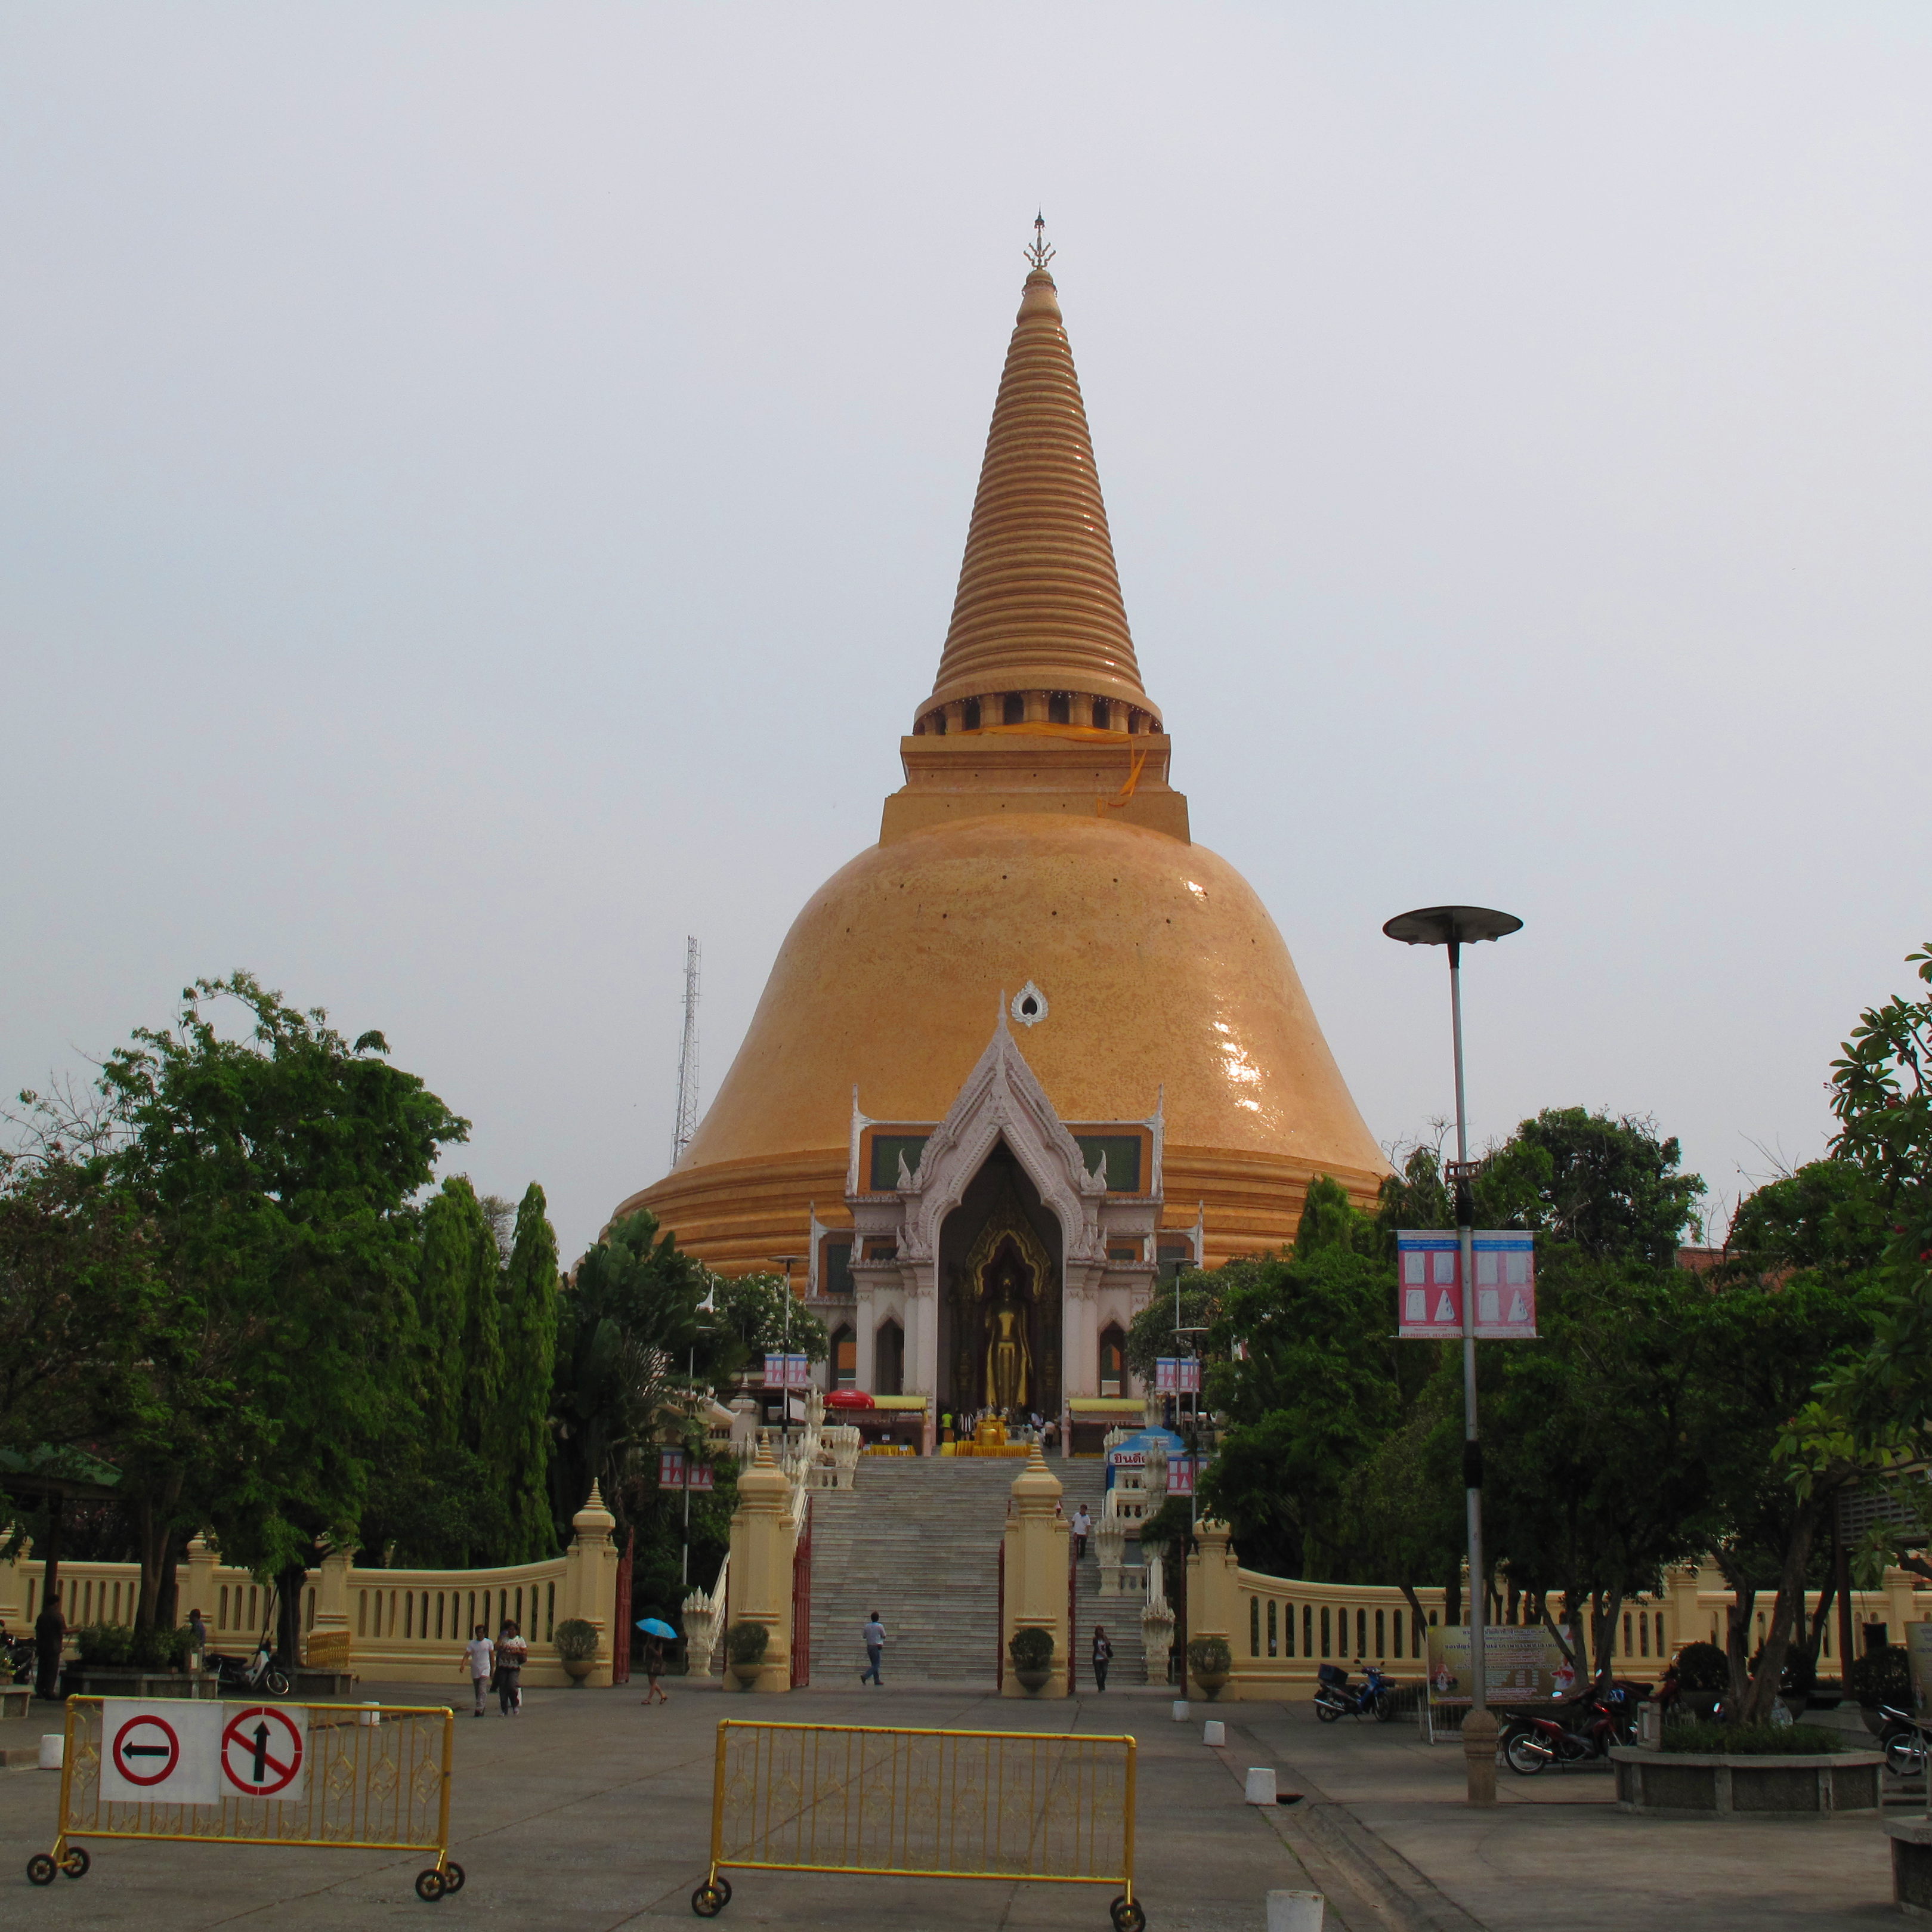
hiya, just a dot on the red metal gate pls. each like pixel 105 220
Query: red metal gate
pixel 1000 1625
pixel 620 1624
pixel 801 1605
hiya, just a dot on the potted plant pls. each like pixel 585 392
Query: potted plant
pixel 1703 1676
pixel 745 1644
pixel 576 1643
pixel 1210 1663
pixel 1031 1650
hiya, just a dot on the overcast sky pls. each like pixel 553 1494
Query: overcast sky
pixel 482 488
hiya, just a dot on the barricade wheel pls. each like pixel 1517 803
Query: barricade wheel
pixel 711 1897
pixel 1127 1915
pixel 453 1875
pixel 75 1863
pixel 41 1870
pixel 429 1886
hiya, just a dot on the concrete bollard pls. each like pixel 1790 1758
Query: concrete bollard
pixel 53 1750
pixel 1261 1784
pixel 1181 1710
pixel 1294 1912
pixel 1214 1733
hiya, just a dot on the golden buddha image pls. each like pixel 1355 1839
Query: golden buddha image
pixel 1009 1359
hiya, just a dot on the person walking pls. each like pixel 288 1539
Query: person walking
pixel 875 1650
pixel 197 1640
pixel 654 1664
pixel 511 1650
pixel 1083 1528
pixel 1103 1655
pixel 480 1655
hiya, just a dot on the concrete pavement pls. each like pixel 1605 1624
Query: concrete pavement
pixel 592 1813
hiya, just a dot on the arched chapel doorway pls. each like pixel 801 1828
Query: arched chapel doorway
pixel 999 1313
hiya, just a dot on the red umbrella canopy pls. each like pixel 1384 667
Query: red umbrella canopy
pixel 848 1399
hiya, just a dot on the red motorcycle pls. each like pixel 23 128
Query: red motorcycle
pixel 1529 1742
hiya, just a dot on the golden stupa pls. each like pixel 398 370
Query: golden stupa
pixel 1034 886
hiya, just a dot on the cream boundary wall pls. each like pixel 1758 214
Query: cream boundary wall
pixel 404 1626
pixel 1352 1625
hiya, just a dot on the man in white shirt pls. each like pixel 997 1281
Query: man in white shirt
pixel 1083 1528
pixel 875 1650
pixel 481 1655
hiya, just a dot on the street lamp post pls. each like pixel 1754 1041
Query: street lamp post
pixel 785 1262
pixel 1456 927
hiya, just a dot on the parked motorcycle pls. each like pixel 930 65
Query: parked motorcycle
pixel 1529 1743
pixel 264 1672
pixel 1336 1698
pixel 1901 1740
pixel 17 1658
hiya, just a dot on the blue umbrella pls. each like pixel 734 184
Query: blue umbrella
pixel 656 1627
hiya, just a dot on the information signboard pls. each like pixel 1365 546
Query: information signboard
pixel 1428 1290
pixel 1525 1665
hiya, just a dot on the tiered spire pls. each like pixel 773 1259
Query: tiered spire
pixel 1038 606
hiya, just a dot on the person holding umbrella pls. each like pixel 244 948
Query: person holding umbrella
pixel 656 1632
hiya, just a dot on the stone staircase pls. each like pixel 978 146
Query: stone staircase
pixel 918 1541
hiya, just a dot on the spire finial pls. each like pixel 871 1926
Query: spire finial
pixel 1039 254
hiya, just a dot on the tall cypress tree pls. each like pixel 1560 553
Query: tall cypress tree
pixel 518 1444
pixel 452 1228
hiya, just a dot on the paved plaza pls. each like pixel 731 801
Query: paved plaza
pixel 592 1813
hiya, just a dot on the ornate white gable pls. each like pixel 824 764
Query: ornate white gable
pixel 1003 1099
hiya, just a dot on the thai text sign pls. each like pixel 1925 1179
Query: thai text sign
pixel 1429 1284
pixel 1525 1664
pixel 1919 1657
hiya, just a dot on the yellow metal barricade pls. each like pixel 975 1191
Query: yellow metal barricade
pixel 1054 1807
pixel 373 1778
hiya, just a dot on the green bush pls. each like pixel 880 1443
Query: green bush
pixel 1031 1649
pixel 1207 1655
pixel 746 1642
pixel 106 1646
pixel 1883 1678
pixel 1752 1740
pixel 1799 1674
pixel 1703 1667
pixel 575 1639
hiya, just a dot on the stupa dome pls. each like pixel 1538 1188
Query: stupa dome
pixel 1037 847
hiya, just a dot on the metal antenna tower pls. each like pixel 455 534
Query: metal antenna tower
pixel 687 1059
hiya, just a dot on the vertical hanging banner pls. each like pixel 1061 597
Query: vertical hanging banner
pixel 670 1468
pixel 1429 1285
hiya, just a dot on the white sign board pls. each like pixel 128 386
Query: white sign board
pixel 165 1751
pixel 264 1750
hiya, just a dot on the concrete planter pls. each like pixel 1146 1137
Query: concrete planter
pixel 1694 1784
pixel 1032 1682
pixel 1911 1865
pixel 89 1680
pixel 576 1669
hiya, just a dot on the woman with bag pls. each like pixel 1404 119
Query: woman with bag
pixel 1103 1655
pixel 511 1652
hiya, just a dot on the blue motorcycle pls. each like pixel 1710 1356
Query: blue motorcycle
pixel 1336 1698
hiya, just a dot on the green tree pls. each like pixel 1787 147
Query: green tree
pixel 273 1173
pixel 763 1317
pixel 1303 1366
pixel 517 1444
pixel 635 1352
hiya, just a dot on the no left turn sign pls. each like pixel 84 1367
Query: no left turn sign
pixel 146 1750
pixel 262 1748
pixel 159 1752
